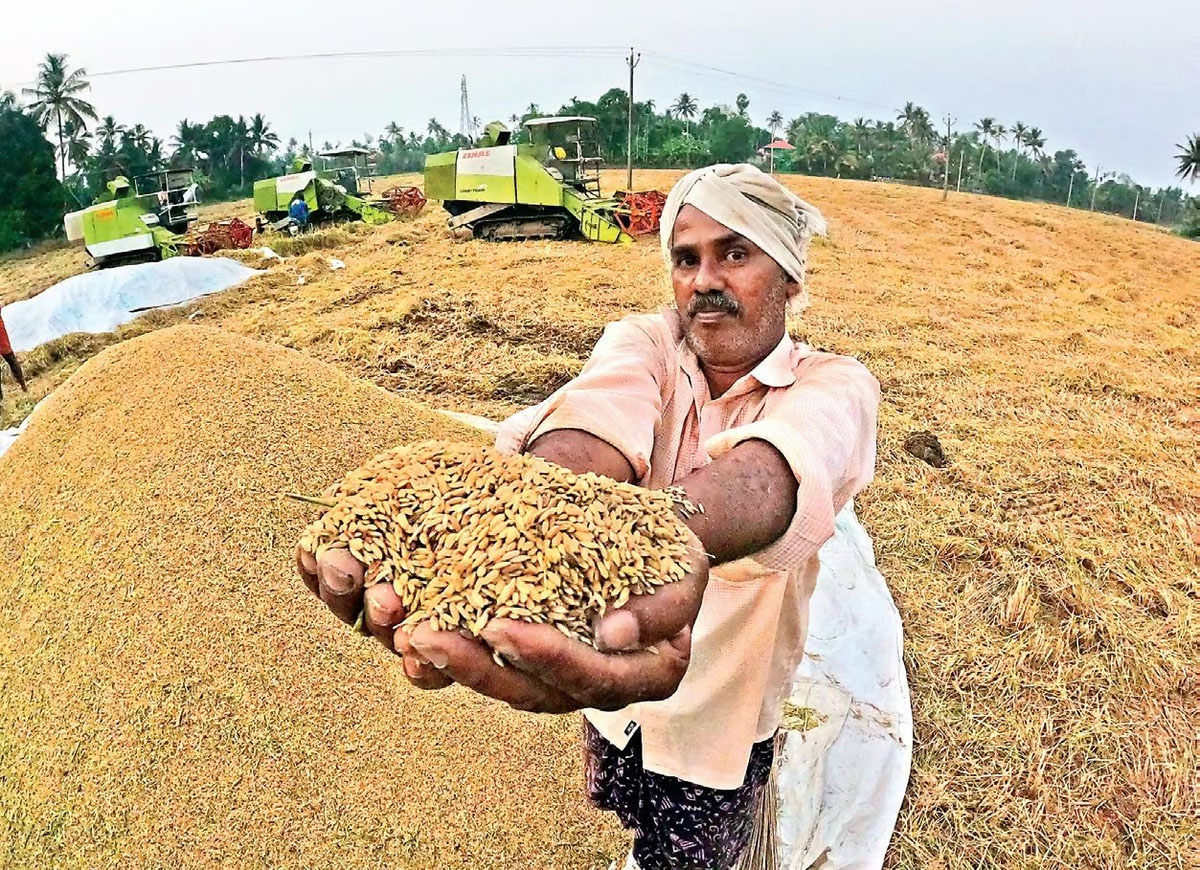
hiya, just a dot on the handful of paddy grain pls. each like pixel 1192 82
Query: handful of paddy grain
pixel 467 534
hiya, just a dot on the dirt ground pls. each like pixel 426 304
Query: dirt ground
pixel 1047 576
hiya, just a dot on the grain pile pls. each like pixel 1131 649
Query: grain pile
pixel 171 695
pixel 466 534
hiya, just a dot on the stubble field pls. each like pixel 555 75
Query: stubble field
pixel 1047 578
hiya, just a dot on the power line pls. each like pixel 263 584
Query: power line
pixel 677 63
pixel 513 51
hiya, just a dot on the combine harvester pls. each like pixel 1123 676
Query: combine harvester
pixel 341 190
pixel 545 188
pixel 147 219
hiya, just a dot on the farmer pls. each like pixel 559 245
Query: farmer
pixel 14 366
pixel 298 210
pixel 682 698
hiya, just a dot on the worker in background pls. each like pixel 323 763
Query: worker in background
pixel 14 366
pixel 298 210
pixel 682 696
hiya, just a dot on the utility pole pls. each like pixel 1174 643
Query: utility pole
pixel 961 152
pixel 946 161
pixel 1161 199
pixel 1095 187
pixel 310 148
pixel 1070 187
pixel 633 62
pixel 1136 200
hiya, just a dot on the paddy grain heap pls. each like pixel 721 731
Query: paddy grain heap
pixel 466 533
pixel 172 696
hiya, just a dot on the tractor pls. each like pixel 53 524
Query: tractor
pixel 340 190
pixel 139 220
pixel 545 187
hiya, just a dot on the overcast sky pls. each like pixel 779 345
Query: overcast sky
pixel 1117 81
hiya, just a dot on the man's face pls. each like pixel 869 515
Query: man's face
pixel 731 296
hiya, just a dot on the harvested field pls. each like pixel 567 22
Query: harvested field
pixel 1047 577
pixel 173 697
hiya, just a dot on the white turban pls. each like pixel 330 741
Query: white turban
pixel 753 205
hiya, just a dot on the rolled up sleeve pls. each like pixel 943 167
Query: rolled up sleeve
pixel 617 397
pixel 824 425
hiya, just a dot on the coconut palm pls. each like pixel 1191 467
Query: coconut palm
pixel 260 136
pixel 1035 141
pixel 774 123
pixel 57 99
pixel 1189 158
pixel 436 130
pixel 685 107
pixel 999 134
pixel 914 121
pixel 986 128
pixel 743 103
pixel 137 137
pixel 188 143
pixel 108 132
pixel 862 134
pixel 1018 133
pixel 79 145
pixel 393 131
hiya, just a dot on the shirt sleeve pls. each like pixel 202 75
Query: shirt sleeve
pixel 824 425
pixel 617 397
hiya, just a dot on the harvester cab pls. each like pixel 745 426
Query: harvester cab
pixel 139 220
pixel 349 168
pixel 547 186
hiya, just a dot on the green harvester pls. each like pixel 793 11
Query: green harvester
pixel 545 187
pixel 136 221
pixel 339 190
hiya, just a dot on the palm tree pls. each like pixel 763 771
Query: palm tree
pixel 137 137
pixel 1018 133
pixel 774 123
pixel 188 143
pixel 986 128
pixel 1034 141
pixel 533 109
pixel 79 146
pixel 108 132
pixel 862 133
pixel 914 121
pixel 260 136
pixel 56 92
pixel 999 133
pixel 1189 158
pixel 436 130
pixel 743 103
pixel 393 131
pixel 685 107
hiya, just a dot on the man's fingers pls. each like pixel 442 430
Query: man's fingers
pixel 469 662
pixel 606 681
pixel 340 577
pixel 417 668
pixel 306 567
pixel 647 619
pixel 382 612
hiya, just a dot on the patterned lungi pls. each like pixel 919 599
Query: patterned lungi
pixel 676 825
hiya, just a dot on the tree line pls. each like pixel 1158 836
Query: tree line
pixel 228 154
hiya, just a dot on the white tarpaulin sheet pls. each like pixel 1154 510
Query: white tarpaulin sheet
pixel 101 301
pixel 841 783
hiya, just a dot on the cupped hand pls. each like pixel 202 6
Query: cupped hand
pixel 337 579
pixel 643 651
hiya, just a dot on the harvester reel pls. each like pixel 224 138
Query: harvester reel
pixel 404 201
pixel 220 236
pixel 639 211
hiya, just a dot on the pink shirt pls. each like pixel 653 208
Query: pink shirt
pixel 643 392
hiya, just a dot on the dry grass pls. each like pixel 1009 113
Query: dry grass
pixel 171 696
pixel 1048 577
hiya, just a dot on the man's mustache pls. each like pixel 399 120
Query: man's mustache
pixel 712 300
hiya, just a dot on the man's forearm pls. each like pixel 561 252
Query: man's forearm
pixel 580 451
pixel 749 499
pixel 748 495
